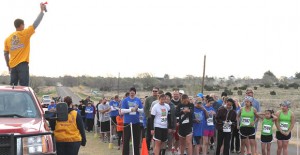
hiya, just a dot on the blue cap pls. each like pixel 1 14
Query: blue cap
pixel 200 95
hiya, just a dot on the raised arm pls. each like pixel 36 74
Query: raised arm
pixel 40 16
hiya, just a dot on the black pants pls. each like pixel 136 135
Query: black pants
pixel 136 138
pixel 67 148
pixel 223 137
pixel 20 74
pixel 120 134
pixel 90 124
pixel 235 140
pixel 148 133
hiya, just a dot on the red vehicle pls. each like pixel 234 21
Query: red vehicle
pixel 23 127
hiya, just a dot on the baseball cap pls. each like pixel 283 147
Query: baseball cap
pixel 181 91
pixel 200 95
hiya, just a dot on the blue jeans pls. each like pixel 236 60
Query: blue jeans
pixel 20 74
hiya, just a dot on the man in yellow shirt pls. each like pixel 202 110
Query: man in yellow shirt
pixel 17 50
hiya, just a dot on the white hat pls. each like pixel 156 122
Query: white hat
pixel 181 91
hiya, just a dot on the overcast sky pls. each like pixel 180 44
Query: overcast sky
pixel 103 38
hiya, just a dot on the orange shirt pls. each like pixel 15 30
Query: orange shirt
pixel 120 123
pixel 18 46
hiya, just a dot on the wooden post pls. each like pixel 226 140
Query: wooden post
pixel 203 76
pixel 118 83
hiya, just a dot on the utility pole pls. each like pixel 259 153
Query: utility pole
pixel 118 83
pixel 203 76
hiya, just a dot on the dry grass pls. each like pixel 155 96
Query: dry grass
pixel 94 146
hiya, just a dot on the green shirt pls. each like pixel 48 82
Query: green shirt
pixel 267 127
pixel 147 105
pixel 247 117
pixel 285 121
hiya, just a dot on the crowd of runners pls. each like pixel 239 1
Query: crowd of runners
pixel 173 122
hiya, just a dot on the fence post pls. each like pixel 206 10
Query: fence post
pixel 297 124
pixel 132 141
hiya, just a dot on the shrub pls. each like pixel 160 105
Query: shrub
pixel 267 86
pixel 294 85
pixel 244 87
pixel 240 92
pixel 255 88
pixel 272 92
pixel 235 88
pixel 281 85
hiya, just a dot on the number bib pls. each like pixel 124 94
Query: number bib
pixel 132 113
pixel 210 122
pixel 141 119
pixel 284 126
pixel 246 121
pixel 267 129
pixel 226 128
pixel 164 120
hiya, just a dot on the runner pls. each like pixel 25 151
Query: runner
pixel 208 127
pixel 147 111
pixel 226 119
pixel 160 123
pixel 199 115
pixel 185 112
pixel 104 110
pixel 131 108
pixel 285 124
pixel 267 131
pixel 114 112
pixel 235 138
pixel 246 120
pixel 176 101
pixel 173 120
pixel 120 125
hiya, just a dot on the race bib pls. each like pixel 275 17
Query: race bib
pixel 210 122
pixel 141 119
pixel 284 126
pixel 246 121
pixel 106 114
pixel 132 113
pixel 186 120
pixel 164 120
pixel 226 128
pixel 267 129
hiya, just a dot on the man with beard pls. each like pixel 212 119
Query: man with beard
pixel 147 107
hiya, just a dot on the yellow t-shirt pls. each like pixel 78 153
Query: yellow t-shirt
pixel 18 46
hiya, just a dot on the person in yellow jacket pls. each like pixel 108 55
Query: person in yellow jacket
pixel 17 50
pixel 69 134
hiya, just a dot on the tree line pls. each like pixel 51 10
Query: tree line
pixel 146 81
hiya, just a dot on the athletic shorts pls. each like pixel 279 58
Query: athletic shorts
pixel 266 138
pixel 208 133
pixel 280 136
pixel 247 132
pixel 105 127
pixel 160 134
pixel 113 120
pixel 196 140
pixel 184 131
pixel 176 133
